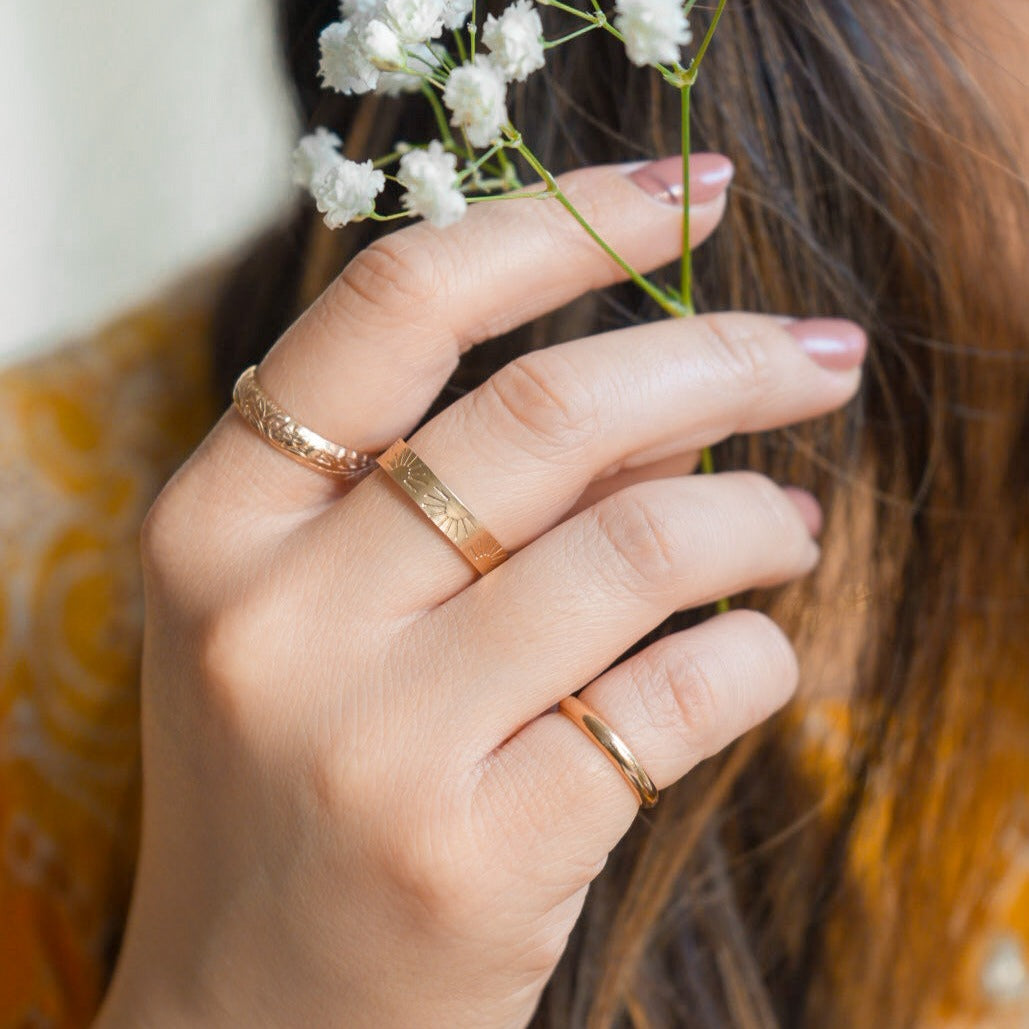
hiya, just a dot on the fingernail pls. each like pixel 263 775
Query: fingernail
pixel 710 175
pixel 809 508
pixel 831 342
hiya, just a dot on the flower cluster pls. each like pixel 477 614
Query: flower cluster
pixel 343 190
pixel 654 30
pixel 431 180
pixel 396 46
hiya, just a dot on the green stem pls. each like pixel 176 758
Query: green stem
pixel 535 194
pixel 472 168
pixel 568 9
pixel 508 172
pixel 686 265
pixel 441 116
pixel 460 47
pixel 699 56
pixel 550 43
pixel 387 159
pixel 667 304
pixel 707 462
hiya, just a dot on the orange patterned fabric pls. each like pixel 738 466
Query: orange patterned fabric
pixel 87 437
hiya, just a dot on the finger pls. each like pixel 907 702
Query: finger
pixel 363 364
pixel 672 467
pixel 521 450
pixel 678 702
pixel 561 611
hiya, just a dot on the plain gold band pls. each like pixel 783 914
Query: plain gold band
pixel 285 433
pixel 613 746
pixel 442 507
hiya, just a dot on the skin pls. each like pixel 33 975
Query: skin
pixel 359 805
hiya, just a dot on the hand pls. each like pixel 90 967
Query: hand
pixel 359 807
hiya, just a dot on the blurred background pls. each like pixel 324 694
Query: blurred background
pixel 138 139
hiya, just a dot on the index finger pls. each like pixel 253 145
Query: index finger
pixel 363 364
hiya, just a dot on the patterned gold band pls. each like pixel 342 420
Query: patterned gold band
pixel 613 746
pixel 284 433
pixel 442 508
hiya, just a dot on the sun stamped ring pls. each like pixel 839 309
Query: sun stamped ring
pixel 442 507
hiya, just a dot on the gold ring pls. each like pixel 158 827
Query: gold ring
pixel 442 507
pixel 613 746
pixel 285 433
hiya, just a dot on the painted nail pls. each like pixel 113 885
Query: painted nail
pixel 831 342
pixel 710 175
pixel 809 508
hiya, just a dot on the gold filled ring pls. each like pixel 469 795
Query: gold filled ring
pixel 285 433
pixel 613 747
pixel 442 507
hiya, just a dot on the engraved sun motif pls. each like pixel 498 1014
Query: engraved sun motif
pixel 486 554
pixel 409 471
pixel 452 517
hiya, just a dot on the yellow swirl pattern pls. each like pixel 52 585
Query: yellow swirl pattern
pixel 88 434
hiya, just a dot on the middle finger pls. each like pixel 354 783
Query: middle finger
pixel 520 450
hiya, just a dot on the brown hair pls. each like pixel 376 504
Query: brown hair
pixel 766 889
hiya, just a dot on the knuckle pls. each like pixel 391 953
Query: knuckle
pixel 641 538
pixel 430 882
pixel 685 696
pixel 232 647
pixel 550 409
pixel 158 547
pixel 169 546
pixel 394 273
pixel 741 351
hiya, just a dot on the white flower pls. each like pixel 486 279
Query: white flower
pixel 347 191
pixel 416 20
pixel 420 59
pixel 345 66
pixel 455 13
pixel 430 178
pixel 393 83
pixel 475 94
pixel 314 155
pixel 515 40
pixel 654 30
pixel 359 10
pixel 381 45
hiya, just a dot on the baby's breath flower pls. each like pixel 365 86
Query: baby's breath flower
pixel 346 191
pixel 654 30
pixel 314 155
pixel 455 13
pixel 359 10
pixel 416 20
pixel 345 66
pixel 475 95
pixel 395 83
pixel 421 60
pixel 381 46
pixel 430 178
pixel 515 40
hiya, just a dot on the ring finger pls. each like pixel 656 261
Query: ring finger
pixel 676 703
